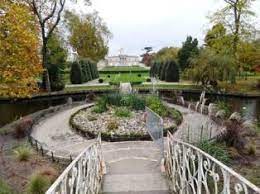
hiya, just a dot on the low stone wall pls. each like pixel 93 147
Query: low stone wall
pixel 35 118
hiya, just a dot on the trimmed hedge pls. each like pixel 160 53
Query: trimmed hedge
pixel 83 71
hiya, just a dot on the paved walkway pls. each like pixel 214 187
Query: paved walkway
pixel 56 135
pixel 195 126
pixel 132 167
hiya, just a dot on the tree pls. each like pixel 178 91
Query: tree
pixel 218 40
pixel 209 67
pixel 236 16
pixel 19 60
pixel 48 13
pixel 163 70
pixel 89 35
pixel 189 49
pixel 172 72
pixel 76 75
pixel 166 53
pixel 56 62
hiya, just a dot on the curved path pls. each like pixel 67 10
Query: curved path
pixel 132 167
pixel 195 126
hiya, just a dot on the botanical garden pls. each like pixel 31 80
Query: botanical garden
pixel 173 114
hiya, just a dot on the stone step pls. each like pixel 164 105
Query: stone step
pixel 139 192
pixel 135 183
pixel 124 153
pixel 129 144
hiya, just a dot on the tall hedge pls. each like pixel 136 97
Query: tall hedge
pixel 76 75
pixel 172 73
pixel 162 72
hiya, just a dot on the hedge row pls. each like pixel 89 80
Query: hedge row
pixel 83 71
pixel 166 71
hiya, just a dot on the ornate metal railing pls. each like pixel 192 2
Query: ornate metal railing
pixel 193 171
pixel 154 125
pixel 83 175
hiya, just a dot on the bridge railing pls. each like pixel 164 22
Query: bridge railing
pixel 193 171
pixel 83 175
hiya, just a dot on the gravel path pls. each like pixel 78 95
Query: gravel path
pixel 195 126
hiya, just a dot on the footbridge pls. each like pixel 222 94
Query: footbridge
pixel 164 165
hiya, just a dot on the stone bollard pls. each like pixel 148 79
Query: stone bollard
pixel 69 101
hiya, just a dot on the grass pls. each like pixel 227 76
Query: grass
pixel 4 188
pixel 38 184
pixel 242 85
pixel 124 77
pixel 216 150
pixel 159 86
pixel 23 153
pixel 116 69
pixel 90 88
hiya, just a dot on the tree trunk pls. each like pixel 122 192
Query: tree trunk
pixel 45 76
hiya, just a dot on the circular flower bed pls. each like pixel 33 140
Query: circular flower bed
pixel 116 124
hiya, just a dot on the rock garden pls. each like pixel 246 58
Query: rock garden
pixel 121 117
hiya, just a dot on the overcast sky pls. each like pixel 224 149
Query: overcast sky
pixel 157 23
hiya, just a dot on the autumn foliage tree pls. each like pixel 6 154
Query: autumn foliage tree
pixel 19 50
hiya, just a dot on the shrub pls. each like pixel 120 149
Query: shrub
pixel 57 85
pixel 133 101
pixel 23 127
pixel 216 150
pixel 100 80
pixel 122 112
pixel 112 125
pixel 76 75
pixel 38 184
pixel 114 99
pixel 138 103
pixel 155 104
pixel 233 135
pixel 139 75
pixel 101 106
pixel 176 115
pixel 148 80
pixel 50 173
pixel 108 76
pixel 23 153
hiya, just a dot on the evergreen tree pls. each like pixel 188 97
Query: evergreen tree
pixel 172 72
pixel 56 62
pixel 76 75
pixel 163 69
pixel 189 49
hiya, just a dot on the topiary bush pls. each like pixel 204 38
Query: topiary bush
pixel 172 73
pixel 148 80
pixel 76 75
pixel 100 80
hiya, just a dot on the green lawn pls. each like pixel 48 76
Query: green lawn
pixel 124 77
pixel 90 88
pixel 177 86
pixel 118 69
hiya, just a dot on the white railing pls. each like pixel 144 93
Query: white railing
pixel 83 175
pixel 193 171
